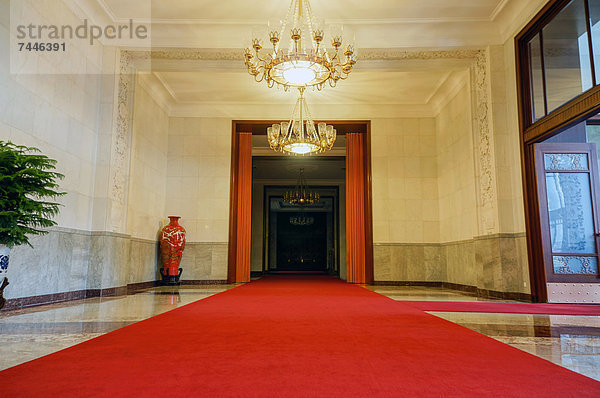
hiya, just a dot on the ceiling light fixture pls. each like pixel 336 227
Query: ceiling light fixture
pixel 306 62
pixel 299 136
pixel 301 220
pixel 301 196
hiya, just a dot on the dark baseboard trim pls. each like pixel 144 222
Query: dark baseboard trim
pixel 135 287
pixel 204 282
pixel 256 274
pixel 474 290
pixel 32 301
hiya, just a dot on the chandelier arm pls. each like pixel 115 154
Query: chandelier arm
pixel 286 21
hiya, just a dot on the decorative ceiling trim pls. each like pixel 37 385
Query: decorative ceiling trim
pixel 226 54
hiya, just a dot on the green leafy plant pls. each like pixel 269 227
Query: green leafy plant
pixel 27 182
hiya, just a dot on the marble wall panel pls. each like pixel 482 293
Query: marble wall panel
pixel 144 261
pixel 109 260
pixel 496 263
pixel 58 262
pixel 204 261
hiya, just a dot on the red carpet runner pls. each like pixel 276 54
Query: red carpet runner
pixel 505 308
pixel 293 336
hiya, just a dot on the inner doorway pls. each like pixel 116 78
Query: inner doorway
pixel 302 241
pixel 291 238
pixel 356 258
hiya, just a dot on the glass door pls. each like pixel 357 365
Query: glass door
pixel 567 176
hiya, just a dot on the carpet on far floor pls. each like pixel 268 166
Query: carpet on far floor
pixel 506 308
pixel 294 336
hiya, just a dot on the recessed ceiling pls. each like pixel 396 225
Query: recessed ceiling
pixel 288 168
pixel 376 23
pixel 240 10
pixel 374 87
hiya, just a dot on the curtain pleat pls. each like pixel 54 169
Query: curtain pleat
pixel 355 209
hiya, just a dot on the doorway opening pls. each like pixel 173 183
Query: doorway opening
pixel 341 244
pixel 568 187
pixel 307 238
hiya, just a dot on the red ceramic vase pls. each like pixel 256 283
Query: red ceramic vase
pixel 172 243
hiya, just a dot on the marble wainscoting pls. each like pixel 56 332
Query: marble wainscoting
pixel 488 266
pixel 56 267
pixel 70 264
pixel 204 262
pixel 395 262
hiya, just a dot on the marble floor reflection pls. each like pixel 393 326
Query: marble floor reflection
pixel 569 341
pixel 33 332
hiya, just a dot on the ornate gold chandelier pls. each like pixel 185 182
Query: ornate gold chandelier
pixel 299 136
pixel 306 62
pixel 301 196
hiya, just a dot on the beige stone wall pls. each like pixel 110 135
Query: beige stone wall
pixel 198 171
pixel 148 170
pixel 55 112
pixel 404 171
pixel 456 169
pixel 476 244
pixel 199 161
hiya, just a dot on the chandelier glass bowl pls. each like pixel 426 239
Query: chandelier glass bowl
pixel 306 61
pixel 299 135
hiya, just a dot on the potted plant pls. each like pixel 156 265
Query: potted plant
pixel 27 183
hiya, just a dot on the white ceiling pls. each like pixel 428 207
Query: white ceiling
pixel 287 168
pixel 243 10
pixel 377 89
pixel 402 88
pixel 376 23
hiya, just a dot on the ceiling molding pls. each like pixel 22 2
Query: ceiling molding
pixel 448 90
pixel 515 15
pixel 501 5
pixel 376 59
pixel 227 54
pixel 158 91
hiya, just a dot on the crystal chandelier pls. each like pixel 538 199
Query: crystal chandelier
pixel 306 62
pixel 299 136
pixel 301 196
pixel 302 220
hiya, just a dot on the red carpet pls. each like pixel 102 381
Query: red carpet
pixel 294 336
pixel 507 308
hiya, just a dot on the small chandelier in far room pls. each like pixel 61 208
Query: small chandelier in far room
pixel 301 195
pixel 299 136
pixel 302 220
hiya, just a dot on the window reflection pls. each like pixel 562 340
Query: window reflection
pixel 566 55
pixel 537 80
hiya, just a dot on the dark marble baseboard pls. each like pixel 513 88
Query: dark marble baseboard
pixel 14 304
pixel 474 290
pixel 204 282
pixel 32 301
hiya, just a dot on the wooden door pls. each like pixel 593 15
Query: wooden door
pixel 567 176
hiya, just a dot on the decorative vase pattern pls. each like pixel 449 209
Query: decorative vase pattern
pixel 4 257
pixel 172 243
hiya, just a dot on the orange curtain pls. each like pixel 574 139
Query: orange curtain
pixel 359 257
pixel 241 209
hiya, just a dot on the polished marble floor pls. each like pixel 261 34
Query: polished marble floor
pixel 33 332
pixel 569 341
